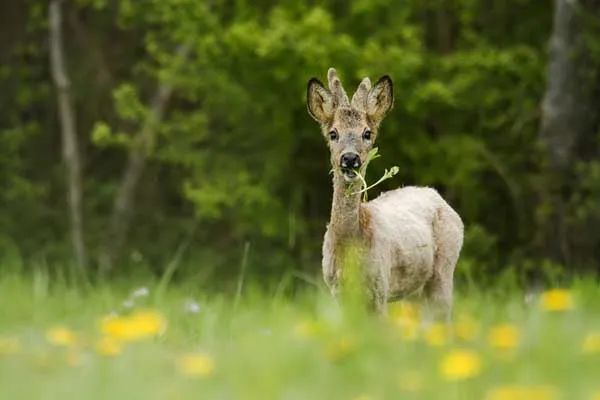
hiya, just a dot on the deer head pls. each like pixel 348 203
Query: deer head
pixel 350 127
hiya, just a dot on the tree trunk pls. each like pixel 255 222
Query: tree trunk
pixel 124 200
pixel 68 132
pixel 567 118
pixel 564 104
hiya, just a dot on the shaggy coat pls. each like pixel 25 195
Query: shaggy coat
pixel 410 237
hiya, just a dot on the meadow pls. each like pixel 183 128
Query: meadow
pixel 140 340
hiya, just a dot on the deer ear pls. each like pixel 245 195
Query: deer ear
pixel 380 99
pixel 320 102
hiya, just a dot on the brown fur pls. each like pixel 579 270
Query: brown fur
pixel 364 224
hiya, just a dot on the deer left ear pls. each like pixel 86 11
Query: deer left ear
pixel 320 102
pixel 380 99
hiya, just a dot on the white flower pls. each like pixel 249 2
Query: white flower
pixel 192 307
pixel 141 292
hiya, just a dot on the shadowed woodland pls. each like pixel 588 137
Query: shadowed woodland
pixel 138 135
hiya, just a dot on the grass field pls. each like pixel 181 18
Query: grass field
pixel 135 342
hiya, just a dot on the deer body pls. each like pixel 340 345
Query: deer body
pixel 410 237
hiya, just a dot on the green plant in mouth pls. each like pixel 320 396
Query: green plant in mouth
pixel 389 173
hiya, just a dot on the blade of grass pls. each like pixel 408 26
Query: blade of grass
pixel 242 276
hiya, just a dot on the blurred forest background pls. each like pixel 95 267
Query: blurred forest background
pixel 136 134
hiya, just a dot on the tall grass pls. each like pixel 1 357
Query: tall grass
pixel 300 347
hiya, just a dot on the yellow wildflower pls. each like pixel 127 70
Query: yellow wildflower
pixel 405 316
pixel 460 365
pixel 410 381
pixel 306 329
pixel 148 322
pixel 116 327
pixel 61 336
pixel 522 393
pixel 437 335
pixel 9 346
pixel 596 396
pixel 504 336
pixel 108 347
pixel 409 330
pixel 339 349
pixel 139 326
pixel 200 365
pixel 466 328
pixel 404 311
pixel 591 343
pixel 557 300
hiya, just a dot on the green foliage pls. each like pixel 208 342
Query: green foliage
pixel 102 136
pixel 386 175
pixel 127 103
pixel 235 152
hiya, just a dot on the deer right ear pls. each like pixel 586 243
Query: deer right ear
pixel 320 102
pixel 380 99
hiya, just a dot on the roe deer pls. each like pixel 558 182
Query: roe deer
pixel 410 238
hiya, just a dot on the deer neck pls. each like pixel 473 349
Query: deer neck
pixel 345 209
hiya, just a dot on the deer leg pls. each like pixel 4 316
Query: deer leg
pixel 378 294
pixel 438 291
pixel 448 239
pixel 439 298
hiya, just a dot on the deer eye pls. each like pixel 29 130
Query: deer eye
pixel 333 135
pixel 367 135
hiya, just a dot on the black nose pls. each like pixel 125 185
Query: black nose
pixel 350 160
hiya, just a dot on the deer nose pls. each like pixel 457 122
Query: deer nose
pixel 350 160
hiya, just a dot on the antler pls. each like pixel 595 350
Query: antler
pixel 335 86
pixel 359 99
